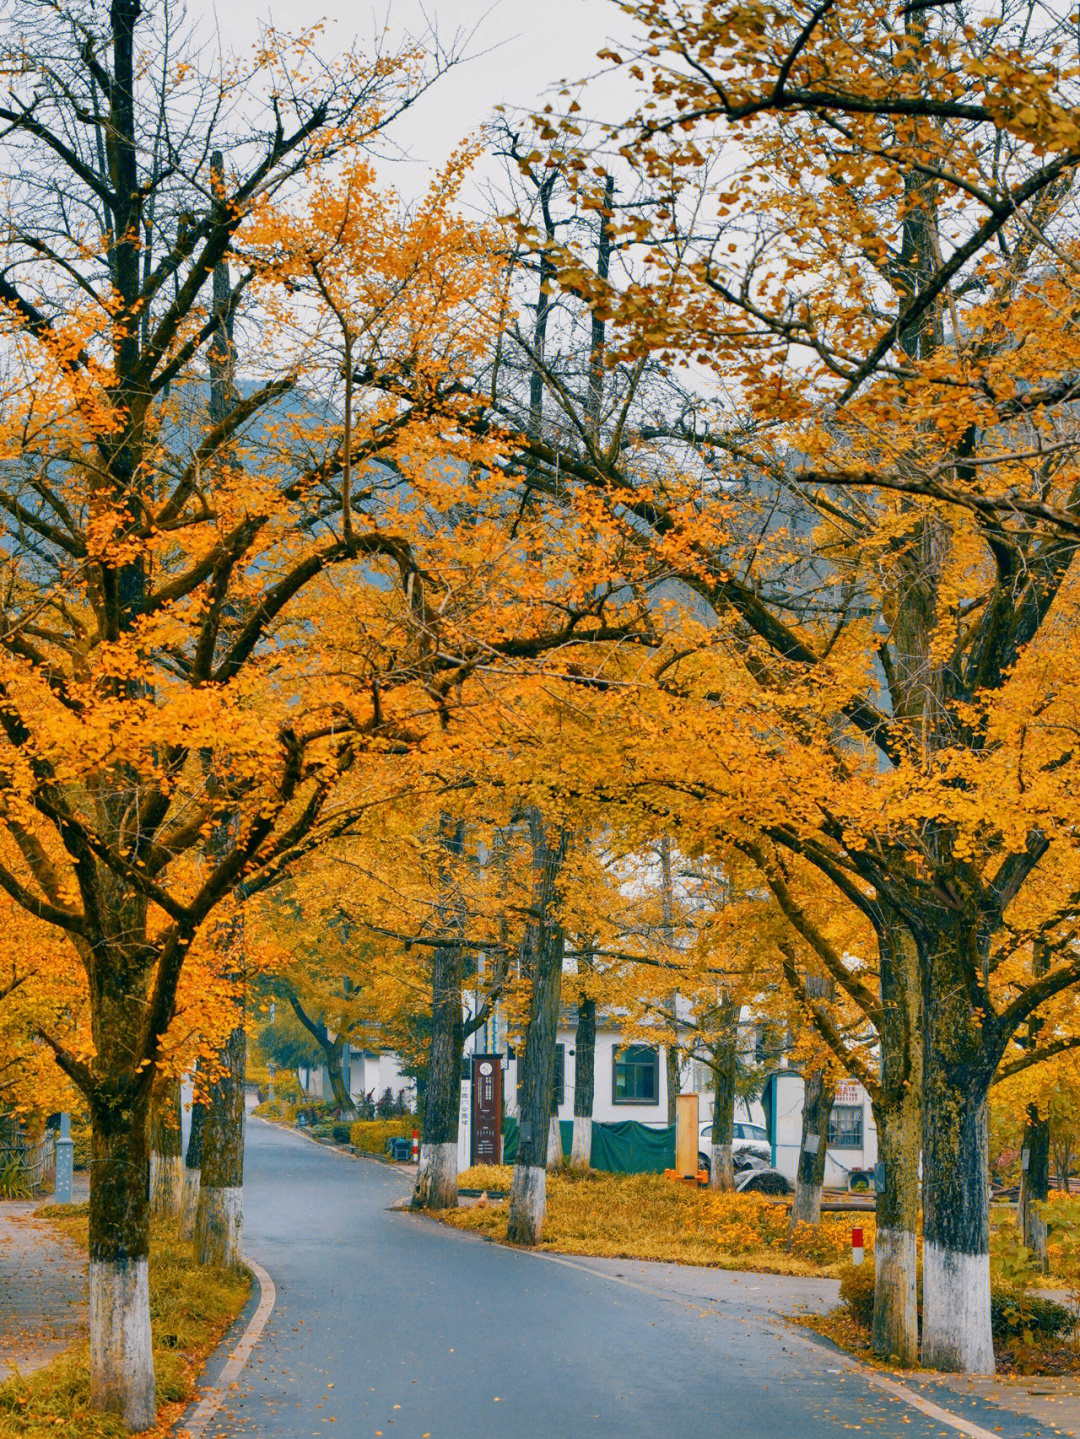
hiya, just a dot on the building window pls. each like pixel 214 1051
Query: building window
pixel 558 1094
pixel 636 1075
pixel 845 1126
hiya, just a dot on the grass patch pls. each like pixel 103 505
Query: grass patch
pixel 191 1307
pixel 486 1176
pixel 644 1216
pixel 370 1135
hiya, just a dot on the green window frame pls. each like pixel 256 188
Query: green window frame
pixel 635 1075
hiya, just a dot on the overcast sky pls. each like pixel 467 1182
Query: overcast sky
pixel 521 50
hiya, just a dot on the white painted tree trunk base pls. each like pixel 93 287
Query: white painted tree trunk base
pixel 896 1320
pixel 121 1350
pixel 528 1204
pixel 554 1149
pixel 581 1144
pixel 219 1226
pixel 190 1207
pixel 956 1312
pixel 721 1167
pixel 166 1186
pixel 436 1177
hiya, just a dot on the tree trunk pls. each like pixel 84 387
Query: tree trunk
pixel 193 1170
pixel 166 1154
pixel 334 1052
pixel 1035 1185
pixel 219 1215
pixel 121 1351
pixel 956 1201
pixel 818 1096
pixel 724 1049
pixel 555 1156
pixel 1035 1153
pixel 899 1117
pixel 436 1179
pixel 584 1083
pixel 528 1190
pixel 671 1065
pixel 896 1320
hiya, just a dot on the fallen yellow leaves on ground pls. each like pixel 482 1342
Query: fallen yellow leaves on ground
pixel 191 1307
pixel 644 1216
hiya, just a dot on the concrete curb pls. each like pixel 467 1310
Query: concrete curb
pixel 213 1398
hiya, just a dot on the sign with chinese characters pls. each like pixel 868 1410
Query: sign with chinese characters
pixel 487 1101
pixel 849 1091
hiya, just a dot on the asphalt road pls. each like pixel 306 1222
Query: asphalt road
pixel 387 1324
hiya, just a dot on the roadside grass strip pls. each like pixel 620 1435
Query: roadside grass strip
pixel 191 1307
pixel 645 1216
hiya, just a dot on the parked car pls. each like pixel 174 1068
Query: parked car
pixel 745 1139
pixel 751 1157
pixel 765 1180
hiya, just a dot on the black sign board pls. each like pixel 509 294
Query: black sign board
pixel 487 1103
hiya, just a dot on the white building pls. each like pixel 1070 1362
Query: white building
pixel 367 1072
pixel 633 1084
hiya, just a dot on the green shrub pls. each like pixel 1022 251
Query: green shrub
pixel 13 1183
pixel 1014 1312
pixel 341 1133
pixel 857 1292
pixel 370 1135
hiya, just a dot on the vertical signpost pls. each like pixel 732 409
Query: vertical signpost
pixel 686 1135
pixel 487 1103
pixel 65 1151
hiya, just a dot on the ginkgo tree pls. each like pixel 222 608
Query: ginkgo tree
pixel 877 270
pixel 204 633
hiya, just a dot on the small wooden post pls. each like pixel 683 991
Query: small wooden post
pixel 686 1135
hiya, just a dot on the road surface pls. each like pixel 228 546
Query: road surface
pixel 388 1324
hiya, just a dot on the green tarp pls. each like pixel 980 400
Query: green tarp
pixel 632 1148
pixel 624 1148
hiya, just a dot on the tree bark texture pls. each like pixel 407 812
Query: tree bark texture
pixel 544 943
pixel 956 1202
pixel 436 1179
pixel 555 1156
pixel 584 1083
pixel 724 1052
pixel 166 1157
pixel 193 1170
pixel 121 1352
pixel 818 1096
pixel 219 1215
pixel 898 1113
pixel 1035 1185
pixel 895 1331
pixel 333 1052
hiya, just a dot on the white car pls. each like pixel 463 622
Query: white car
pixel 743 1136
pixel 750 1151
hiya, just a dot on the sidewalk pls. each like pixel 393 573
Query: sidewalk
pixel 43 1288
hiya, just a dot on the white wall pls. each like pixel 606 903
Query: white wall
pixel 375 1073
pixel 605 1110
pixel 788 1090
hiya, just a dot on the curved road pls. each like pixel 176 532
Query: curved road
pixel 388 1324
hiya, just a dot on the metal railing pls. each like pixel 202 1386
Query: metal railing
pixel 34 1165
